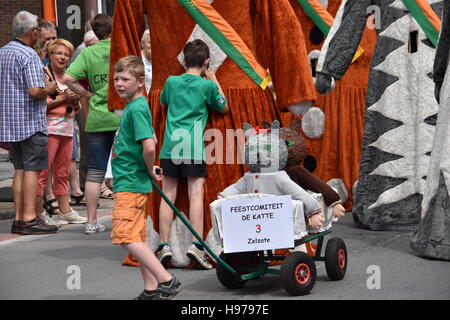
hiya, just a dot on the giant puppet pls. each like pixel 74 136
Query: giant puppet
pixel 432 237
pixel 273 41
pixel 333 128
pixel 401 110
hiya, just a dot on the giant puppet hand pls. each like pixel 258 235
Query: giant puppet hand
pixel 325 83
pixel 338 211
pixel 316 221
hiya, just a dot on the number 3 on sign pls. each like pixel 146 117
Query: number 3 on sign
pixel 258 228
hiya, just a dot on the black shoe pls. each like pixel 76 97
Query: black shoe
pixel 166 291
pixel 15 227
pixel 145 296
pixel 35 226
pixel 50 208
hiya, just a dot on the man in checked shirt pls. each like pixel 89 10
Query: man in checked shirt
pixel 23 124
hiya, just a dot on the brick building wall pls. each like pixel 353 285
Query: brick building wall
pixel 8 9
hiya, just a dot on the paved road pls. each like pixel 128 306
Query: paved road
pixel 39 267
pixel 6 168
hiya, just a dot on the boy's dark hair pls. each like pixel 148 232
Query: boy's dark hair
pixel 195 53
pixel 102 26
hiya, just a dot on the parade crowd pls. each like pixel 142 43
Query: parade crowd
pixel 54 94
pixel 46 125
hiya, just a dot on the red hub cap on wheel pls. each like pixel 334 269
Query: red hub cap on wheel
pixel 341 258
pixel 302 273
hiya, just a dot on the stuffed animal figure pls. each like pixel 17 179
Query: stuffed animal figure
pixel 334 126
pixel 269 29
pixel 401 111
pixel 266 155
pixel 431 239
pixel 299 174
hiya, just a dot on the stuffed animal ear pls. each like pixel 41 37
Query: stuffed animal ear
pixel 248 128
pixel 276 124
pixel 296 124
pixel 266 124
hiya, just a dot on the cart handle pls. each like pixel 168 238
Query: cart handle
pixel 196 235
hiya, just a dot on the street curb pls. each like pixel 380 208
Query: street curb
pixel 103 214
pixel 7 214
pixel 10 214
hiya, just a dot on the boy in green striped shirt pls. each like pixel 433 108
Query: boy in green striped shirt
pixel 133 168
pixel 188 98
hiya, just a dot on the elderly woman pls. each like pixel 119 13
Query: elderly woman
pixel 61 109
pixel 146 50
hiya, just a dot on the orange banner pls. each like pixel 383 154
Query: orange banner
pixel 49 10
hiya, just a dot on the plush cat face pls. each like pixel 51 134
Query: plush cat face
pixel 264 150
pixel 294 140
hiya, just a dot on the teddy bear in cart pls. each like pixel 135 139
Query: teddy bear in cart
pixel 271 155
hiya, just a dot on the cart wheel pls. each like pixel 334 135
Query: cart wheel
pixel 298 273
pixel 235 260
pixel 336 259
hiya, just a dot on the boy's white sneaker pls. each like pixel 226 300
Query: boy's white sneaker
pixel 165 256
pixel 199 257
pixel 94 228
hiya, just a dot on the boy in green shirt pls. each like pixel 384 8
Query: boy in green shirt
pixel 101 125
pixel 188 98
pixel 133 168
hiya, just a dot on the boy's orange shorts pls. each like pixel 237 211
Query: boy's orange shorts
pixel 129 220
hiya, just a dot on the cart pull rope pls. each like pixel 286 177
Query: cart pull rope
pixel 196 235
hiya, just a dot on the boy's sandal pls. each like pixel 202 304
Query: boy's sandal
pixel 168 292
pixel 106 193
pixel 51 210
pixel 77 200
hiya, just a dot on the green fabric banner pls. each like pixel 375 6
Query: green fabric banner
pixel 420 15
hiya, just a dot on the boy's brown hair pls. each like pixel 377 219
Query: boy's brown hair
pixel 132 64
pixel 102 26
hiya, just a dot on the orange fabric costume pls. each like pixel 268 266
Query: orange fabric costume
pixel 337 151
pixel 271 31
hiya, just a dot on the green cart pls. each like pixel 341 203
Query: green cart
pixel 297 272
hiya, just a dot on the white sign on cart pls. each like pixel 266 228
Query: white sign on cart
pixel 257 224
